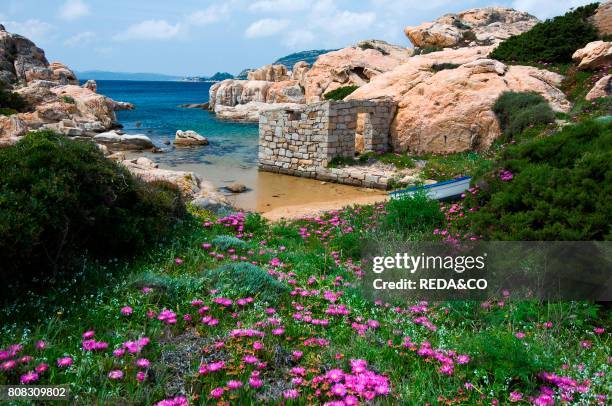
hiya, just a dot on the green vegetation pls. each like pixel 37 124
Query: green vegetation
pixel 10 101
pixel 445 167
pixel 518 111
pixel 559 190
pixel 427 50
pixel 552 41
pixel 60 198
pixel 245 279
pixel 410 214
pixel 437 67
pixel 340 93
pixel 68 99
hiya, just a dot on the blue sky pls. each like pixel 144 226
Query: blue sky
pixel 200 37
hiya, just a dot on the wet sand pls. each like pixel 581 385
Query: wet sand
pixel 274 195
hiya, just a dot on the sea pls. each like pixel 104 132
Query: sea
pixel 231 155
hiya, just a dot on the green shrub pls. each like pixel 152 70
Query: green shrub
pixel 340 93
pixel 7 111
pixel 437 67
pixel 501 355
pixel 518 111
pixel 61 199
pixel 553 40
pixel 11 100
pixel 427 50
pixel 68 99
pixel 225 242
pixel 560 188
pixel 246 279
pixel 255 223
pixel 415 213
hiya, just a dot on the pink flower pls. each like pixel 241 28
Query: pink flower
pixel 290 394
pixel 520 335
pixel 297 354
pixel 118 352
pixel 463 359
pixel 115 374
pixel 217 393
pixel 338 389
pixel 599 330
pixel 233 385
pixel 515 397
pixel 126 310
pixel 255 383
pixel 506 176
pixel 64 362
pixel 88 334
pixel 29 377
pixel 177 401
pixel 178 261
pixel 42 367
pixel 143 363
pixel 335 375
pixel 41 345
pixel 141 376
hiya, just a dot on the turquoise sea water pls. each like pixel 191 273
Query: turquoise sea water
pixel 158 112
pixel 231 155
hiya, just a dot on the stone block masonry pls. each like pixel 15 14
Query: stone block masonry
pixel 302 141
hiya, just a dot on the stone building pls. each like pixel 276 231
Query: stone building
pixel 302 141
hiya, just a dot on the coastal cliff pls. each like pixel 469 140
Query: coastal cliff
pixel 51 92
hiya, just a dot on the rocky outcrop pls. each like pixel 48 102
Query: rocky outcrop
pixel 288 91
pixel 115 141
pixel 594 55
pixel 479 26
pixel 249 112
pixel 602 19
pixel 450 110
pixel 189 138
pixel 11 130
pixel 602 88
pixel 62 74
pixel 355 65
pixel 120 105
pixel 299 71
pixel 190 185
pixel 233 92
pixel 242 100
pixel 269 73
pixel 55 99
pixel 21 60
pixel 91 85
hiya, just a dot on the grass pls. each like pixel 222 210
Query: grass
pixel 317 261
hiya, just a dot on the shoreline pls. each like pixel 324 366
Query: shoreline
pixel 298 211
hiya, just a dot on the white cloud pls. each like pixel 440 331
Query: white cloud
pixel 209 15
pixel 547 8
pixel 265 27
pixel 80 39
pixel 299 38
pixel 345 22
pixel 150 30
pixel 279 6
pixel 73 9
pixel 33 29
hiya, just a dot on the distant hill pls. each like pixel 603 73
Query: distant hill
pixel 217 77
pixel 243 74
pixel 309 56
pixel 104 75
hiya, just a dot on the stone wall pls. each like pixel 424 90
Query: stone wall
pixel 302 141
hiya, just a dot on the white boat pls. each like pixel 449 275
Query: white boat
pixel 437 191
